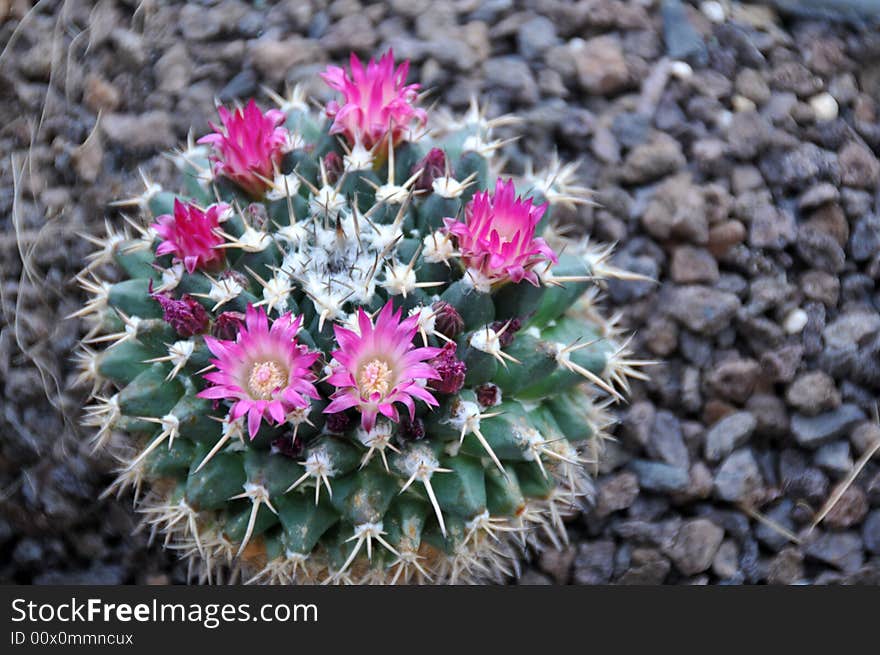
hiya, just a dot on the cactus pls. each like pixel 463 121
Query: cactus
pixel 348 349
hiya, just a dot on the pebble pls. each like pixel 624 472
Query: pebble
pixel 849 510
pixel 739 479
pixel 600 65
pixel 842 550
pixel 871 532
pixel 150 131
pixel 824 106
pixel 618 492
pixel 713 10
pixel 695 546
pixel 659 477
pixel 651 161
pixel 702 309
pixel 594 562
pixel 728 434
pixel 692 265
pixel 834 458
pixel 812 393
pixel 814 431
pixel 795 321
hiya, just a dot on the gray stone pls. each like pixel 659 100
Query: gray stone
pixel 666 443
pixel 812 393
pixel 735 379
pixel 728 434
pixel 849 510
pixel 871 532
pixel 779 514
pixel 692 265
pixel 683 41
pixel 834 457
pixel 786 568
pixel 659 477
pixel 865 241
pixel 858 166
pixel 650 161
pixel 535 36
pixel 703 309
pixel 594 562
pixel 726 562
pixel 600 65
pixel 842 550
pixel 814 431
pixel 145 132
pixel 739 479
pixel 616 492
pixel 695 546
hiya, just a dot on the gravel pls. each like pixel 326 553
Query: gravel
pixel 734 159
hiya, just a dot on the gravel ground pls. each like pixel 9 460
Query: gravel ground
pixel 744 180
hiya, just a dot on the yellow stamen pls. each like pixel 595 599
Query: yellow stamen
pixel 265 378
pixel 375 377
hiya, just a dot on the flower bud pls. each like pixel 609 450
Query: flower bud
pixel 186 316
pixel 451 370
pixel 447 320
pixel 432 165
pixel 334 167
pixel 226 325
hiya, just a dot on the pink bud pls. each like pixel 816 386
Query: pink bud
pixel 447 320
pixel 432 165
pixel 186 316
pixel 333 166
pixel 450 369
pixel 227 325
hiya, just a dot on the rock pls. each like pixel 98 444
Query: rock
pixel 812 393
pixel 831 220
pixel 842 550
pixel 821 286
pixel 666 442
pixel 600 65
pixel 771 536
pixel 739 479
pixel 242 85
pixel 631 128
pixel 695 546
pixel 514 76
pixel 824 106
pixel 594 562
pixel 818 195
pixel 871 532
pixel 532 578
pixel 557 563
pixel 735 379
pixel 724 236
pixel 351 32
pixel 786 568
pixel 865 241
pixel 751 84
pixel 647 567
pixel 274 58
pixel 616 492
pixel 99 95
pixel 749 133
pixel 728 434
pixel 653 160
pixel 795 77
pixel 800 481
pixel 726 562
pixel 149 131
pixel 659 477
pixel 820 250
pixel 702 309
pixel 799 167
pixel 858 166
pixel 849 510
pixel 693 265
pixel 851 328
pixel 795 321
pixel 834 458
pixel 174 69
pixel 682 39
pixel 865 436
pixel 769 412
pixel 638 423
pixel 814 431
pixel 88 158
pixel 772 228
pixel 536 36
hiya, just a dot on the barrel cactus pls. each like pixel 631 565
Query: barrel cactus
pixel 341 352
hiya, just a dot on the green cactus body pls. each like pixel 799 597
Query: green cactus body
pixel 457 493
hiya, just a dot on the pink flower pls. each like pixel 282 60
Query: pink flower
pixel 374 98
pixel 249 146
pixel 191 235
pixel 265 371
pixel 498 239
pixel 380 367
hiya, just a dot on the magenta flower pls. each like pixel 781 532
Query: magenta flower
pixel 375 97
pixel 191 235
pixel 380 367
pixel 249 146
pixel 265 371
pixel 498 239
